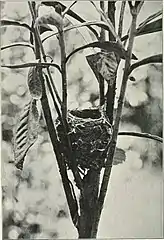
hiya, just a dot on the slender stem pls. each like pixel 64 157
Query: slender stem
pixel 111 16
pixel 64 76
pixel 141 135
pixel 68 8
pixel 111 151
pixel 18 44
pixel 153 59
pixel 32 64
pixel 101 79
pixel 121 19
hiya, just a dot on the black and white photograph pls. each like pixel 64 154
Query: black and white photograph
pixel 81 119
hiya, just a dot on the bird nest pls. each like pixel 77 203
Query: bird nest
pixel 89 134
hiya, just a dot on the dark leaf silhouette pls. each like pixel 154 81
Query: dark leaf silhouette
pixel 155 26
pixel 70 13
pixel 106 45
pixel 34 83
pixel 26 133
pixel 105 64
pixel 6 22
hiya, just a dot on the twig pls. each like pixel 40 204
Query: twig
pixel 101 79
pixel 112 146
pixel 68 8
pixel 32 64
pixel 111 16
pixel 142 135
pixel 121 19
pixel 6 22
pixel 18 44
pixel 85 24
pixel 153 59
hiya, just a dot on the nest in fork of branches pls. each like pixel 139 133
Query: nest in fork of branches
pixel 89 133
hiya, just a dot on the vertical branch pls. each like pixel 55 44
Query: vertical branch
pixel 71 200
pixel 110 95
pixel 121 18
pixel 111 16
pixel 101 79
pixel 111 150
pixel 64 76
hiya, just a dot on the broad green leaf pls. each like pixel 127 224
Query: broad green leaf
pixel 70 13
pixel 105 64
pixel 26 133
pixel 106 45
pixel 34 83
pixel 119 156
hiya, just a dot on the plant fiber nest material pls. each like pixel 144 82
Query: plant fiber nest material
pixel 90 133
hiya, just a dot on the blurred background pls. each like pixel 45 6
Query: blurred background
pixel 37 209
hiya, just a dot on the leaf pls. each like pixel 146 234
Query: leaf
pixel 106 45
pixel 105 64
pixel 150 18
pixel 26 133
pixel 34 83
pixel 70 13
pixel 152 27
pixel 51 18
pixel 119 156
pixel 152 59
pixel 6 22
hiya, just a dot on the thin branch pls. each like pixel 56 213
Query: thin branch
pixel 111 16
pixel 142 135
pixel 101 79
pixel 88 23
pixel 6 22
pixel 153 59
pixel 121 19
pixel 108 21
pixel 18 44
pixel 32 64
pixel 112 145
pixel 68 8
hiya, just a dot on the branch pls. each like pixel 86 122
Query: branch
pixel 18 44
pixel 112 144
pixel 142 135
pixel 32 64
pixel 88 23
pixel 153 59
pixel 72 203
pixel 7 22
pixel 121 19
pixel 111 16
pixel 68 8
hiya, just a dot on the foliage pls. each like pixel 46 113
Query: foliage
pixel 16 96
